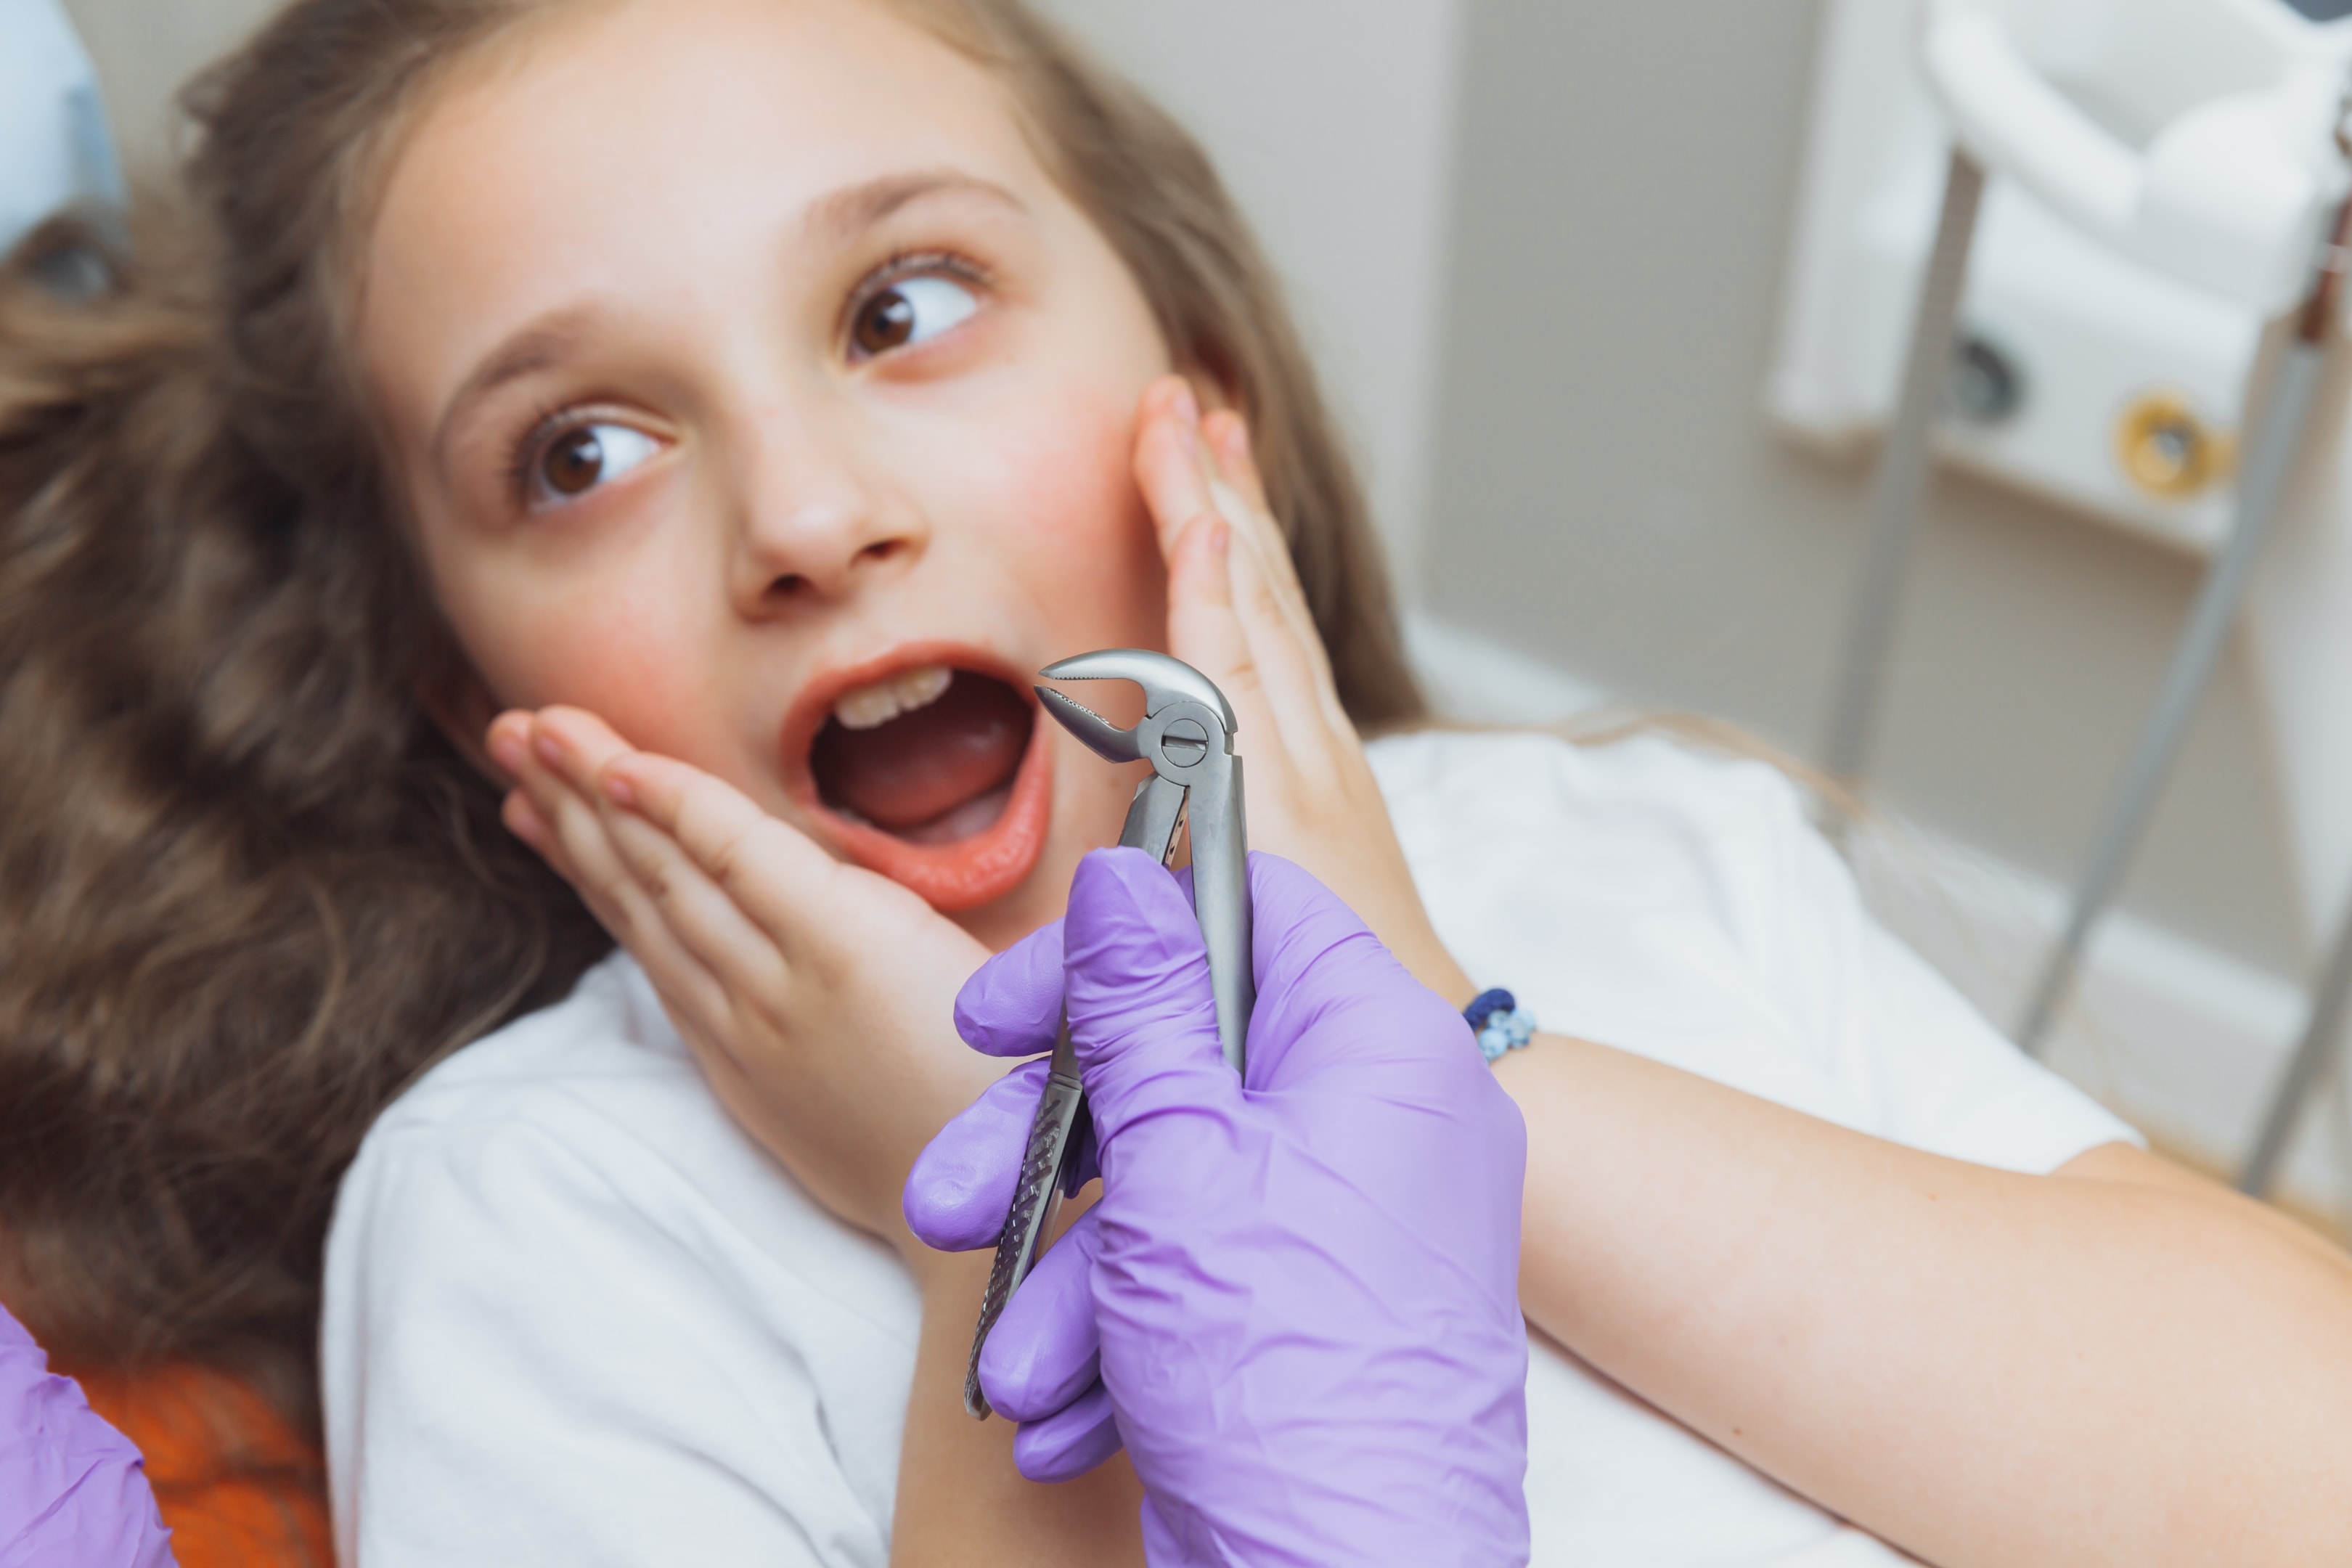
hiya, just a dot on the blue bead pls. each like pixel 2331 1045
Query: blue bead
pixel 1488 1004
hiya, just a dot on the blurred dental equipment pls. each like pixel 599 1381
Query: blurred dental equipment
pixel 55 150
pixel 2136 256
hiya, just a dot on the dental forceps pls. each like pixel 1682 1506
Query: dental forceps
pixel 1187 736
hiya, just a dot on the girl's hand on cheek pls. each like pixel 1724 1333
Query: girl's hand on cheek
pixel 1237 614
pixel 818 998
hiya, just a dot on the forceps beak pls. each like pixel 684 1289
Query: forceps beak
pixel 1164 681
pixel 1103 737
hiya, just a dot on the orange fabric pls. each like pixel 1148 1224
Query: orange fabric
pixel 238 1486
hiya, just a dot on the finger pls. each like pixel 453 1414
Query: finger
pixel 1179 480
pixel 1046 1349
pixel 697 911
pixel 1238 490
pixel 1012 1006
pixel 1290 721
pixel 575 743
pixel 596 869
pixel 1285 652
pixel 522 819
pixel 1143 1016
pixel 536 762
pixel 528 809
pixel 508 740
pixel 774 873
pixel 1070 1442
pixel 1203 629
pixel 1169 468
pixel 1229 440
pixel 1228 436
pixel 961 1187
pixel 1235 610
pixel 705 917
pixel 1273 588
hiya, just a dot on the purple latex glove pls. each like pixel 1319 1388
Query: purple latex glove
pixel 1296 1303
pixel 73 1491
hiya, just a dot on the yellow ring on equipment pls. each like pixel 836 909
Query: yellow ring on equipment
pixel 2169 451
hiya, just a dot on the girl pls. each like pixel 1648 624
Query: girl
pixel 745 397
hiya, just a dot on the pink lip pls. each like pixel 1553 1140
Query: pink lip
pixel 950 877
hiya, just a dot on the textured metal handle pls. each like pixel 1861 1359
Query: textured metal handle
pixel 1036 1199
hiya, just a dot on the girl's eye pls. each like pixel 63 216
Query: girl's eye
pixel 909 311
pixel 585 456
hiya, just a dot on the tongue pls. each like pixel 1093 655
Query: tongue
pixel 922 765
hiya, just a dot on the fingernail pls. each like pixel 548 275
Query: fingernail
pixel 509 754
pixel 620 792
pixel 549 752
pixel 1188 407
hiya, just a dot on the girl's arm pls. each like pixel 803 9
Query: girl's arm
pixel 2117 1364
pixel 960 1500
pixel 2121 1362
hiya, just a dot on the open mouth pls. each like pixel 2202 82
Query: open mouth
pixel 935 774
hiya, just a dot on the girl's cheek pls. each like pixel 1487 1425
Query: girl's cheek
pixel 620 649
pixel 1072 481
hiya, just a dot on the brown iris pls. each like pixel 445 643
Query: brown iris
pixel 886 321
pixel 574 463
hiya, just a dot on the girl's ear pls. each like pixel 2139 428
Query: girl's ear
pixel 461 708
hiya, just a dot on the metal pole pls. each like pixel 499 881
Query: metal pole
pixel 2263 483
pixel 1902 476
pixel 2193 659
pixel 2322 1032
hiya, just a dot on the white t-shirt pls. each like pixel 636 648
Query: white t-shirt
pixel 574 1317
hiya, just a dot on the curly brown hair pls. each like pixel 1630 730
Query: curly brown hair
pixel 249 890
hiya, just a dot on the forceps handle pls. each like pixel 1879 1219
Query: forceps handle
pixel 1036 1200
pixel 1221 905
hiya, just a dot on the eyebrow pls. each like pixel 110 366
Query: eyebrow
pixel 841 215
pixel 853 209
pixel 544 342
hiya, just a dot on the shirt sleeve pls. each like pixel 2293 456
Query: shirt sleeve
pixel 526 1362
pixel 1932 1072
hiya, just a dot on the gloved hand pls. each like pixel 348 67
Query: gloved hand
pixel 1300 1296
pixel 72 1492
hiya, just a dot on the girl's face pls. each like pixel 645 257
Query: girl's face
pixel 750 385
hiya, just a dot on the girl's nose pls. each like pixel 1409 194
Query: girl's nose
pixel 814 529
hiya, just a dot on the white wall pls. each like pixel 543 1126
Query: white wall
pixel 1333 122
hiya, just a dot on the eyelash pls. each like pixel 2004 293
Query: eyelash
pixel 547 425
pixel 903 264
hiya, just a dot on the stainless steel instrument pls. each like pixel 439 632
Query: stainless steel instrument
pixel 1187 736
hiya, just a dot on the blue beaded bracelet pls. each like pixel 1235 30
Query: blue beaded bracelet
pixel 1500 1024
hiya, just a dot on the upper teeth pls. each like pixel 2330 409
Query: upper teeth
pixel 885 700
